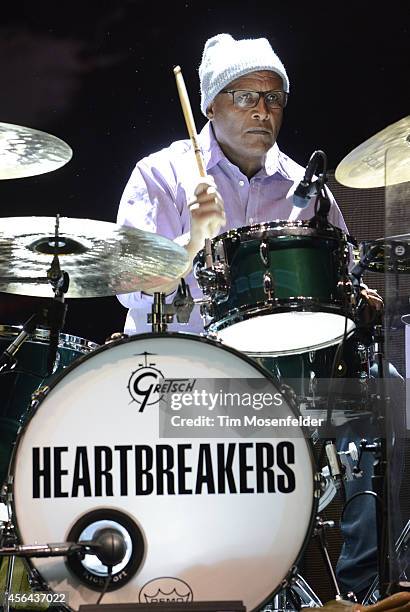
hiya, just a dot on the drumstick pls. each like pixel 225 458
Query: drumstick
pixel 190 123
pixel 189 119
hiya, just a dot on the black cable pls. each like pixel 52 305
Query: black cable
pixel 372 493
pixel 106 585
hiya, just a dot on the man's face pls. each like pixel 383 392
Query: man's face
pixel 247 133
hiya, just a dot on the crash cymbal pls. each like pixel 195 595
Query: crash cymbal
pixel 365 166
pixel 100 258
pixel 27 152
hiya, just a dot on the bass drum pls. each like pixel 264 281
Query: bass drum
pixel 202 518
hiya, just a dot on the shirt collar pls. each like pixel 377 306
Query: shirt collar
pixel 213 153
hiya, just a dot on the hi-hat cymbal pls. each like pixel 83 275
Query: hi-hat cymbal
pixel 27 152
pixel 100 258
pixel 365 166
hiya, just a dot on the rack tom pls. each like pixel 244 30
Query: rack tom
pixel 278 288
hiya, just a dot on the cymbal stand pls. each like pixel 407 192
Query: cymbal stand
pixel 380 475
pixel 56 313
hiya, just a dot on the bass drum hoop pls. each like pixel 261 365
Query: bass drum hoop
pixel 36 404
pixel 42 336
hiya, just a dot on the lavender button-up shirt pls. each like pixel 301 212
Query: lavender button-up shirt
pixel 156 195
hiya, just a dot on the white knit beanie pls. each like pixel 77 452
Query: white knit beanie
pixel 225 59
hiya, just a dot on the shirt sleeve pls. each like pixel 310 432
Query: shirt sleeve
pixel 152 201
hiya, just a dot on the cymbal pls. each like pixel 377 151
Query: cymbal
pixel 28 152
pixel 100 258
pixel 365 166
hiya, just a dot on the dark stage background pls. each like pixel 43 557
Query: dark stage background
pixel 98 74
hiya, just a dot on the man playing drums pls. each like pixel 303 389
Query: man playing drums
pixel 244 91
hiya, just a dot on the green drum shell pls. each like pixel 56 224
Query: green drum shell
pixel 305 264
pixel 30 373
pixel 299 371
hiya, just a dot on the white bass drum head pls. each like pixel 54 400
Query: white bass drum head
pixel 198 516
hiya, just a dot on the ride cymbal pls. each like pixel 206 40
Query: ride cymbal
pixel 364 167
pixel 27 152
pixel 100 258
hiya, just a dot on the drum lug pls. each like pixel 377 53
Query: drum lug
pixel 290 578
pixel 214 281
pixel 264 253
pixel 318 483
pixel 268 285
pixel 38 396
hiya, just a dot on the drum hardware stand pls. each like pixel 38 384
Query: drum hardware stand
pixel 296 592
pixel 378 447
pixel 56 313
pixel 401 547
pixel 9 539
pixel 320 531
pixel 162 314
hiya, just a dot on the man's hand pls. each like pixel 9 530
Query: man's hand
pixel 372 306
pixel 207 213
pixel 207 218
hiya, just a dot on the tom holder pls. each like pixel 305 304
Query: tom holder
pixel 163 314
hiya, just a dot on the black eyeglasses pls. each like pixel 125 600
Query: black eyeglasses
pixel 249 99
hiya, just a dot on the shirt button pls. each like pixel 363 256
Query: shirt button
pixel 241 183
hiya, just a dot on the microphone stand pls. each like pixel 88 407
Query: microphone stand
pixel 322 203
pixel 8 359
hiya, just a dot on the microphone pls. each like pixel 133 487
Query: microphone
pixel 306 188
pixel 109 546
pixel 8 359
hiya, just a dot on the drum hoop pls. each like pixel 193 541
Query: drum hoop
pixel 279 228
pixel 299 304
pixel 243 313
pixel 42 336
pixel 203 339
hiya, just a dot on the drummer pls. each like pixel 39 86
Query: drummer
pixel 244 91
pixel 250 180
